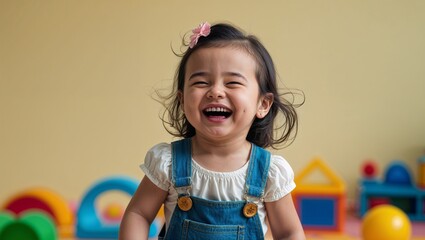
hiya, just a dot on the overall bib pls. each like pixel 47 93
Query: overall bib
pixel 197 218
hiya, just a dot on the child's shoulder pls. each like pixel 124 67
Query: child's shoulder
pixel 157 165
pixel 159 150
pixel 159 154
pixel 280 179
pixel 280 167
pixel 278 160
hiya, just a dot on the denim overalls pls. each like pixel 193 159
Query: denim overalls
pixel 197 218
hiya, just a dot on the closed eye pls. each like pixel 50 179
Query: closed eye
pixel 199 83
pixel 198 79
pixel 235 78
pixel 235 82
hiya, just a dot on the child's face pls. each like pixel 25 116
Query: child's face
pixel 221 96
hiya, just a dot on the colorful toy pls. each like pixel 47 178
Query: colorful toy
pixel 113 213
pixel 5 219
pixel 421 172
pixel 31 225
pixel 89 223
pixel 321 206
pixel 396 189
pixel 369 169
pixel 46 201
pixel 398 174
pixel 386 222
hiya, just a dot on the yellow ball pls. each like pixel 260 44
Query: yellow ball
pixel 386 222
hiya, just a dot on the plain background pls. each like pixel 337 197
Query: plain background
pixel 77 78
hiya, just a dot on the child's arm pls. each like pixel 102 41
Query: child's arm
pixel 283 219
pixel 141 211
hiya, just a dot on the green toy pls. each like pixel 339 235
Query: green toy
pixel 32 225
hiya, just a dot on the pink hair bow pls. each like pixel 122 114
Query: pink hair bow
pixel 202 30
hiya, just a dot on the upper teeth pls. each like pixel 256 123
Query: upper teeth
pixel 216 109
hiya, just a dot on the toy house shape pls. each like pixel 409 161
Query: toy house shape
pixel 320 205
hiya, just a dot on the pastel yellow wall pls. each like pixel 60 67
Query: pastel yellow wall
pixel 76 79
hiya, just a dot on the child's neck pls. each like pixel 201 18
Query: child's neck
pixel 221 156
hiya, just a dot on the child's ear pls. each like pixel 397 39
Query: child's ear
pixel 181 99
pixel 266 102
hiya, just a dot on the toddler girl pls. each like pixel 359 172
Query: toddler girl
pixel 218 181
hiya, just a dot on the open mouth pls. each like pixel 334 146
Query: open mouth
pixel 217 112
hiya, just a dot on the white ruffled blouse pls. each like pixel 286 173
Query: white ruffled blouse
pixel 219 186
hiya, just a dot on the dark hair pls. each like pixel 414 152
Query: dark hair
pixel 263 132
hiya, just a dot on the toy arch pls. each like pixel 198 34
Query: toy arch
pixel 47 201
pixel 88 223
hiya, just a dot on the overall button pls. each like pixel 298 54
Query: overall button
pixel 184 203
pixel 250 209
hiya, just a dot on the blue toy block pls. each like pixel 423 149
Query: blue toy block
pixel 318 212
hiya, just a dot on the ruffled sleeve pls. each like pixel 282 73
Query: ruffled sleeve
pixel 157 165
pixel 280 181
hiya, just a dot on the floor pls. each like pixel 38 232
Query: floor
pixel 353 231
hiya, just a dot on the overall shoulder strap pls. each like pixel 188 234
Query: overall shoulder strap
pixel 258 168
pixel 181 162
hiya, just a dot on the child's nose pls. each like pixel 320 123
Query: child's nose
pixel 216 91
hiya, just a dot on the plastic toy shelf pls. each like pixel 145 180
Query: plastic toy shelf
pixel 410 199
